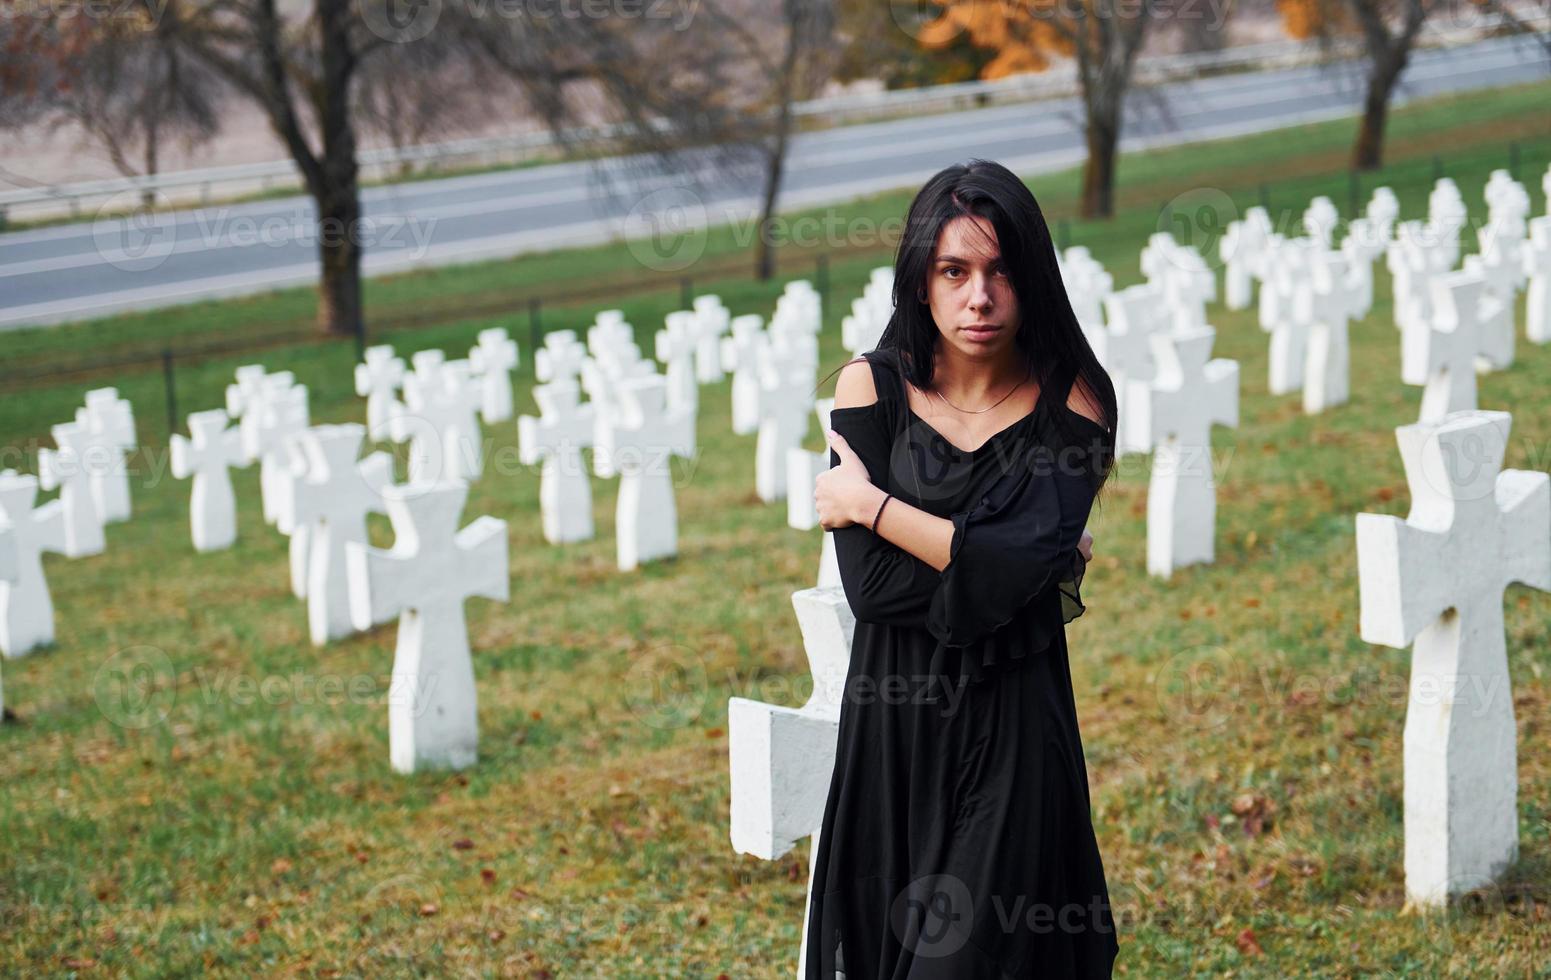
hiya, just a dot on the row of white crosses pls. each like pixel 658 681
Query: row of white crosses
pixel 89 469
pixel 1087 283
pixel 321 493
pixel 870 313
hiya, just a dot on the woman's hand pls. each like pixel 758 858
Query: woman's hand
pixel 1085 546
pixel 841 493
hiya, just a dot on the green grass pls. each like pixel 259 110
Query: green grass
pixel 259 831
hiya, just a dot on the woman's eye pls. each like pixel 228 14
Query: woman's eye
pixel 950 271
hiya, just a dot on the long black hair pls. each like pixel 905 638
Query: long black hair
pixel 1048 333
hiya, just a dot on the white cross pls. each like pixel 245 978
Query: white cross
pixel 1241 249
pixel 560 358
pixel 1134 314
pixel 1441 354
pixel 802 472
pixel 461 395
pixel 740 355
pixel 1285 310
pixel 675 346
pixel 1496 339
pixel 1176 411
pixel 557 437
pixel 1320 219
pixel 378 378
pixel 1328 372
pixel 642 441
pixel 9 571
pixel 601 379
pixel 711 321
pixel 332 500
pixel 1383 208
pixel 207 455
pixel 785 399
pixel 432 568
pixel 1537 269
pixel 267 429
pixel 608 330
pixel 1437 579
pixel 111 420
pixel 69 469
pixel 1363 243
pixel 493 359
pixel 781 759
pixel 26 610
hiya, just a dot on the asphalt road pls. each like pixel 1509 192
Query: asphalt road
pixel 98 267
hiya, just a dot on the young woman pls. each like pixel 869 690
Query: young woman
pixel 967 451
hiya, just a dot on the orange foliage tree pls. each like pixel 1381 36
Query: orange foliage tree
pixel 1100 36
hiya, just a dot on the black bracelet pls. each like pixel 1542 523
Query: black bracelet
pixel 886 498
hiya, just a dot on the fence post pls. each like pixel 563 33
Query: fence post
pixel 1354 192
pixel 1513 159
pixel 535 330
pixel 171 386
pixel 360 339
pixel 1437 168
pixel 1265 200
pixel 686 293
pixel 1063 234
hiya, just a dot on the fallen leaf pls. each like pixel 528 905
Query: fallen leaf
pixel 1247 944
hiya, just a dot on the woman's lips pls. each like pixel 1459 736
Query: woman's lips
pixel 980 333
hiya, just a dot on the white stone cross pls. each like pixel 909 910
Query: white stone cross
pixel 785 399
pixel 675 346
pixel 802 472
pixel 493 359
pixel 643 439
pixel 1328 372
pixel 111 421
pixel 1435 581
pixel 332 500
pixel 1134 314
pixel 26 610
pixel 781 759
pixel 740 355
pixel 1285 308
pixel 378 378
pixel 207 454
pixel 712 321
pixel 68 469
pixel 267 430
pixel 1177 410
pixel 1537 268
pixel 1496 338
pixel 460 395
pixel 1441 354
pixel 608 330
pixel 557 437
pixel 1320 219
pixel 1241 249
pixel 560 358
pixel 432 568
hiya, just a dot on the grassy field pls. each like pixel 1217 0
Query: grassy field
pixel 1243 744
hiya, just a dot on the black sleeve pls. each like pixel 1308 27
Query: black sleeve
pixel 883 583
pixel 1018 540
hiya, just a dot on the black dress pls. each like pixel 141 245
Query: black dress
pixel 957 841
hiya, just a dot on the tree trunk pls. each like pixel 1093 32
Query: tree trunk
pixel 1368 152
pixel 1098 171
pixel 339 255
pixel 765 263
pixel 338 192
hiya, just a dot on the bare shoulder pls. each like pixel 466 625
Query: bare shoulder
pixel 854 387
pixel 1079 402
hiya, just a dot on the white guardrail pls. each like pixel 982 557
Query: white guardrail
pixel 201 186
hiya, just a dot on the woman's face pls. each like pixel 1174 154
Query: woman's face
pixel 969 292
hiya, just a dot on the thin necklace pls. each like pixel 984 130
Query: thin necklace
pixel 982 411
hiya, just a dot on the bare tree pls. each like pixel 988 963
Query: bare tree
pixel 133 90
pixel 797 72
